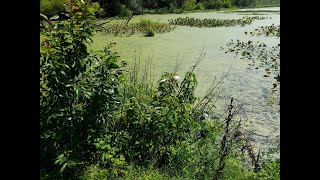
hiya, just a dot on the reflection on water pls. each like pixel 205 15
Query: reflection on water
pixel 246 85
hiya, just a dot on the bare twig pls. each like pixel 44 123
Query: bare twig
pixel 127 21
pixel 178 64
pixel 210 95
pixel 200 58
pixel 227 139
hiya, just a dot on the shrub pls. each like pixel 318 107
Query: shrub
pixel 149 32
pixel 126 12
pixel 144 22
pixel 115 8
pixel 189 5
pixel 135 7
pixel 270 170
pixel 217 4
pixel 199 6
pixel 98 118
pixel 244 3
pixel 99 12
pixel 197 156
pixel 151 115
pixel 226 4
pixel 51 7
pixel 79 94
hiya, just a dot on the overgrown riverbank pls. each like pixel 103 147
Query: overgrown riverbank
pixel 99 120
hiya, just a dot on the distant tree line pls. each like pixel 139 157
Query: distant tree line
pixel 124 8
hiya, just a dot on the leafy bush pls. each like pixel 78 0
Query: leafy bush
pixel 266 3
pixel 189 5
pixel 79 92
pixel 149 32
pixel 135 6
pixel 112 124
pixel 226 4
pixel 199 6
pixel 159 122
pixel 115 8
pixel 217 4
pixel 196 157
pixel 244 3
pixel 270 170
pixel 126 12
pixel 234 169
pixel 99 11
pixel 51 7
pixel 144 22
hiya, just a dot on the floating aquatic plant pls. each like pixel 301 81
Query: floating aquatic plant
pixel 244 12
pixel 146 27
pixel 273 30
pixel 187 21
pixel 251 12
pixel 260 56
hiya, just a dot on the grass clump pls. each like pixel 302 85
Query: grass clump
pixel 149 32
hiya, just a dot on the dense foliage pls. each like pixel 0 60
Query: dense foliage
pixel 244 3
pixel 125 8
pixel 99 121
pixel 51 7
pixel 79 91
pixel 265 3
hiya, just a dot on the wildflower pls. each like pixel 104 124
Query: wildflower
pixel 204 116
pixel 163 80
pixel 176 77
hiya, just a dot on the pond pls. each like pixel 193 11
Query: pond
pixel 247 85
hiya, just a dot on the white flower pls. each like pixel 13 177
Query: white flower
pixel 163 80
pixel 176 77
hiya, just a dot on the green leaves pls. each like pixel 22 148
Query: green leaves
pixel 64 161
pixel 78 97
pixel 271 30
pixel 271 170
pixel 61 159
pixel 114 66
pixel 213 22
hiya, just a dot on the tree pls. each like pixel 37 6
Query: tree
pixel 244 3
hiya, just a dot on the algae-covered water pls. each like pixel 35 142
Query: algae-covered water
pixel 247 86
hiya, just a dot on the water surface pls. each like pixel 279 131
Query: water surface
pixel 247 86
